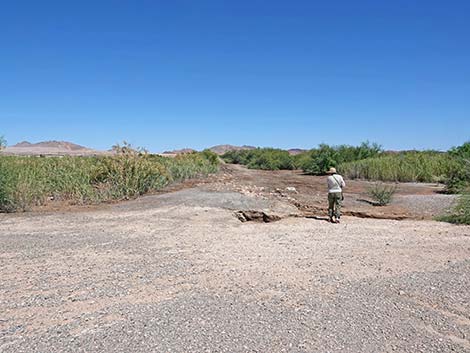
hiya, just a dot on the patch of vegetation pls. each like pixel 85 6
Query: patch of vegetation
pixel 315 161
pixel 29 181
pixel 382 194
pixel 461 213
pixel 369 162
pixel 462 151
pixel 427 166
pixel 319 160
pixel 458 178
pixel 261 158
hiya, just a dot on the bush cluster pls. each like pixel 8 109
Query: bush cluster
pixel 315 161
pixel 319 160
pixel 461 212
pixel 261 158
pixel 458 179
pixel 368 161
pixel 424 166
pixel 382 194
pixel 30 181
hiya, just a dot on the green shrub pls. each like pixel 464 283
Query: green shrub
pixel 185 166
pixel 458 178
pixel 315 161
pixel 261 158
pixel 319 160
pixel 212 157
pixel 462 151
pixel 382 194
pixel 461 213
pixel 234 157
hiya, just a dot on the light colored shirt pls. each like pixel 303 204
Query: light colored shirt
pixel 335 183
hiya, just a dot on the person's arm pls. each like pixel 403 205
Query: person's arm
pixel 343 184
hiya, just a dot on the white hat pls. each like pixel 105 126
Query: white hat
pixel 331 171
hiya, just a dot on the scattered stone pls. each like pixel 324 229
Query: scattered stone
pixel 256 216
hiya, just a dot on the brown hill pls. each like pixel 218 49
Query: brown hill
pixel 69 146
pixel 294 151
pixel 23 144
pixel 49 148
pixel 221 149
pixel 181 151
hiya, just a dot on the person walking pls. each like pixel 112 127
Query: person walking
pixel 335 195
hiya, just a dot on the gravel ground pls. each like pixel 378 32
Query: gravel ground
pixel 200 197
pixel 163 274
pixel 426 205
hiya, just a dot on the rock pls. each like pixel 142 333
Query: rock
pixel 256 216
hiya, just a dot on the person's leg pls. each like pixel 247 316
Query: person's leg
pixel 331 205
pixel 338 204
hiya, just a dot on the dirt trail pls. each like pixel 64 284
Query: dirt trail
pixel 412 200
pixel 178 272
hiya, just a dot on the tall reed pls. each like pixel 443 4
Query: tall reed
pixel 402 167
pixel 29 181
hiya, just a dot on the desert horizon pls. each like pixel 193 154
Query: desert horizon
pixel 58 147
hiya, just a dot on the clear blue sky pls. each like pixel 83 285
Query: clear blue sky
pixel 172 74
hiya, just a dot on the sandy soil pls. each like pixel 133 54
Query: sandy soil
pixel 178 272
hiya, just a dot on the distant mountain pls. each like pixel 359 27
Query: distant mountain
pixel 294 151
pixel 50 148
pixel 69 146
pixel 221 149
pixel 181 151
pixel 23 144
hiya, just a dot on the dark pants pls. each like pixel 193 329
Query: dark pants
pixel 334 204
